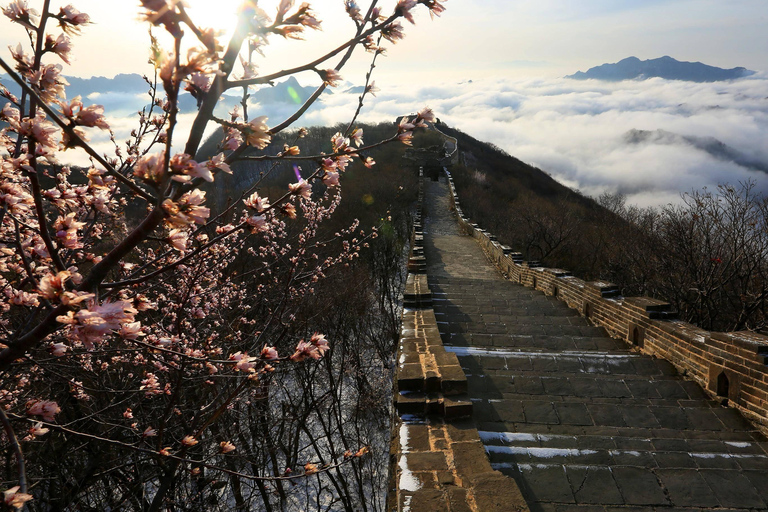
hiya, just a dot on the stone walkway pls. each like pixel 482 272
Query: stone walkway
pixel 580 421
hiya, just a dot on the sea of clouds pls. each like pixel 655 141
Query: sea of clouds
pixel 574 130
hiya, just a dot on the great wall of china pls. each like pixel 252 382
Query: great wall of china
pixel 518 383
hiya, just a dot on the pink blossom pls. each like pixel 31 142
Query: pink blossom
pixel 58 349
pixel 189 441
pixel 330 77
pixel 70 19
pixel 150 167
pixel 219 162
pixel 342 162
pixel 339 142
pixel 243 361
pixel 328 164
pixel 44 408
pixel 405 138
pixel 435 7
pixel 331 178
pixel 200 81
pixel 41 131
pixel 128 413
pixel 256 202
pixel 257 222
pixel 357 137
pixel 372 89
pixel 19 12
pixel 188 210
pixel 269 353
pixel 233 140
pixel 66 230
pixel 353 10
pixel 404 8
pixel 131 330
pixel 226 447
pixel 51 286
pixel 249 69
pixel 291 150
pixel 21 298
pixel 319 341
pixel 38 430
pixel 257 133
pixel 98 320
pixel 427 115
pixel 393 32
pixel 307 18
pixel 12 497
pixel 14 196
pixel 304 350
pixel 150 385
pixel 405 125
pixel 49 82
pixel 61 46
pixel 149 432
pixel 92 116
pixel 369 162
pixel 288 210
pixel 283 8
pixel 179 239
pixel 301 188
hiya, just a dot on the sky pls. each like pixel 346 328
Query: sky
pixel 494 69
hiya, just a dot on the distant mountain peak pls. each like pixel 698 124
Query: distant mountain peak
pixel 665 67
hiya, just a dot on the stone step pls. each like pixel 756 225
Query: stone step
pixel 417 294
pixel 433 404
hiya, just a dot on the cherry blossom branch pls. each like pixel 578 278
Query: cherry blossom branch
pixel 322 156
pixel 74 136
pixel 218 87
pixel 175 264
pixel 313 64
pixel 367 88
pixel 178 459
pixel 16 447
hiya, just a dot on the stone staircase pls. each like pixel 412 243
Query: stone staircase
pixel 581 421
pixel 438 462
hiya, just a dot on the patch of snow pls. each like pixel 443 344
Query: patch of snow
pixel 506 437
pixel 474 351
pixel 408 482
pixel 620 452
pixel 738 444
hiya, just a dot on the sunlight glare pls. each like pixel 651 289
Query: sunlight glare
pixel 219 15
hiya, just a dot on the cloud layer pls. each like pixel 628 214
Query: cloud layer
pixel 574 130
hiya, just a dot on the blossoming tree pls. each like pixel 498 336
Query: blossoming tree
pixel 140 327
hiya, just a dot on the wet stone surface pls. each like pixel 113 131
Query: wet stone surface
pixel 580 421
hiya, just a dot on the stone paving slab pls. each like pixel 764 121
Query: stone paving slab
pixel 580 421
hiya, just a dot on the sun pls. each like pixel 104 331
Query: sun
pixel 219 15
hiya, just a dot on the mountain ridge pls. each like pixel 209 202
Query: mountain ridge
pixel 710 145
pixel 665 67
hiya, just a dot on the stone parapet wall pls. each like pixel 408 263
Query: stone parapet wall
pixel 730 366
